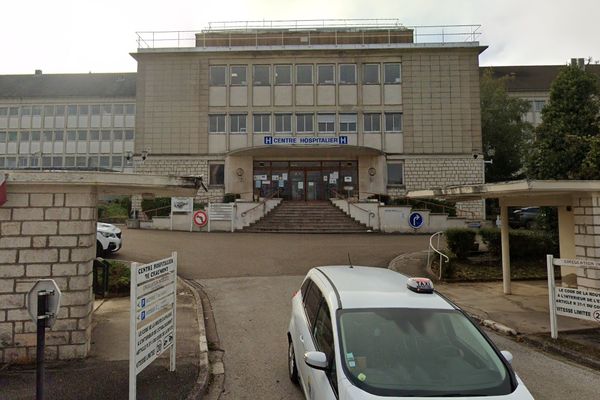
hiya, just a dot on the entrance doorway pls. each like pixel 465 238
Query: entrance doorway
pixel 306 180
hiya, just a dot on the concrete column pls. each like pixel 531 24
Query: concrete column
pixel 586 216
pixel 505 247
pixel 566 237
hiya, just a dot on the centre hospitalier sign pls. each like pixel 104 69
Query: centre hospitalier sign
pixel 310 140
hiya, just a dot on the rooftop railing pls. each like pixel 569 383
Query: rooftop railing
pixel 307 33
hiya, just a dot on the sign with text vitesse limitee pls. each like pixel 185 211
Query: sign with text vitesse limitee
pixel 311 140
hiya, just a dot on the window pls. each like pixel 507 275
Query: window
pixel 393 122
pixel 261 76
pixel 105 136
pixel 84 110
pixel 96 109
pixel 130 109
pixel 23 162
pixel 283 123
pixel 25 110
pixel 371 74
pixel 217 174
pixel 35 136
pixel 326 74
pixel 372 122
pixel 107 109
pixel 118 135
pixel 304 74
pixel 59 111
pixel 283 74
pixel 237 123
pixel 81 162
pixel 47 136
pixel 304 123
pixel 348 74
pixel 395 173
pixel 129 134
pixel 3 112
pixel 48 111
pixel 69 161
pixel 94 135
pixel 217 75
pixel 82 135
pixel 117 161
pixel 12 137
pixel 13 111
pixel 36 110
pixel 57 161
pixel 118 109
pixel 58 136
pixel 538 105
pixel 312 300
pixel 71 136
pixel 326 123
pixel 104 161
pixel 238 75
pixel 2 137
pixel 262 123
pixel 24 137
pixel 347 122
pixel 323 335
pixel 216 123
pixel 391 73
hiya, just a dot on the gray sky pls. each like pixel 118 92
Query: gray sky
pixel 82 36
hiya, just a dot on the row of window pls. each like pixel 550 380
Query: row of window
pixel 115 161
pixel 70 136
pixel 71 109
pixel 305 123
pixel 265 75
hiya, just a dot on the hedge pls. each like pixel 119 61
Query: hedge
pixel 460 241
pixel 524 244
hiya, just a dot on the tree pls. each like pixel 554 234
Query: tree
pixel 567 142
pixel 505 133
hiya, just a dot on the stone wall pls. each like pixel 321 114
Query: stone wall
pixel 46 234
pixel 586 213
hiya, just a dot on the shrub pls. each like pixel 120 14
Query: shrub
pixel 230 197
pixel 460 241
pixel 524 244
pixel 160 206
pixel 119 277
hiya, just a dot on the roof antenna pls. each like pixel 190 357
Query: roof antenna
pixel 350 261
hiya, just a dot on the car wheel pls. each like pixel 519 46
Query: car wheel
pixel 292 368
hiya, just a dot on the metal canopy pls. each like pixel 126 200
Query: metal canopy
pixel 308 152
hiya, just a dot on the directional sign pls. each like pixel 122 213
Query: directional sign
pixel 54 295
pixel 153 315
pixel 416 220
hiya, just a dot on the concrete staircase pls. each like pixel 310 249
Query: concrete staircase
pixel 307 217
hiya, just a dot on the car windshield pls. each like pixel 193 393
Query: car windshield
pixel 419 352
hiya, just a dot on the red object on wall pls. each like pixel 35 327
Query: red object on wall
pixel 2 189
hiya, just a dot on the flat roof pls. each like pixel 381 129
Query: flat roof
pixel 522 188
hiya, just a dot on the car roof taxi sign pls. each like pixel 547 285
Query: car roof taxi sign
pixel 420 285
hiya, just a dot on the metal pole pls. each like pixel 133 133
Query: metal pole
pixel 173 355
pixel 551 297
pixel 41 343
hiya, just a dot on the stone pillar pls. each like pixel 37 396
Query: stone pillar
pixel 47 232
pixel 587 237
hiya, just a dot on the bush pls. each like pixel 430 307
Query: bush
pixel 460 241
pixel 119 277
pixel 160 206
pixel 524 244
pixel 230 197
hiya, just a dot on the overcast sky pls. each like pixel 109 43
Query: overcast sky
pixel 82 36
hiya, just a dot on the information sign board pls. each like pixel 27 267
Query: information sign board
pixel 578 303
pixel 152 315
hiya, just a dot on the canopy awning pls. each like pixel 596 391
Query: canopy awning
pixel 307 152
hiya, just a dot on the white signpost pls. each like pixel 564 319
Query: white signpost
pixel 571 302
pixel 153 315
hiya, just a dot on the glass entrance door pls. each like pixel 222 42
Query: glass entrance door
pixel 297 182
pixel 313 185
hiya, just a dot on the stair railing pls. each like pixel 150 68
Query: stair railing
pixel 435 250
pixel 263 203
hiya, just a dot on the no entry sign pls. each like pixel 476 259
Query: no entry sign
pixel 200 218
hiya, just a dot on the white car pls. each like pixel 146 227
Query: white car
pixel 108 239
pixel 372 333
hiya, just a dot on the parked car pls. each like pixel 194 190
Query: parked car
pixel 108 239
pixel 369 333
pixel 524 217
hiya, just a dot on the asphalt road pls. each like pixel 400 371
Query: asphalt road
pixel 220 255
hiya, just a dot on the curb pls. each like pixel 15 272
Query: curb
pixel 203 365
pixel 555 348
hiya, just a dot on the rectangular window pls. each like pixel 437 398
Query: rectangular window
pixel 118 135
pixel 58 136
pixel 25 110
pixel 57 161
pixel 105 136
pixel 237 123
pixel 129 134
pixel 13 111
pixel 84 110
pixel 81 162
pixel 347 122
pixel 59 111
pixel 104 161
pixel 47 136
pixel 71 136
pixel 96 109
pixel 217 174
pixel 35 136
pixel 283 74
pixel 118 109
pixel 262 123
pixel 36 110
pixel 372 122
pixel 94 135
pixel 69 161
pixel 216 123
pixel 261 75
pixel 12 137
pixel 82 136
pixel 3 111
pixel 304 74
pixel 217 75
pixel 326 123
pixel 238 75
pixel 392 74
pixel 393 122
pixel 348 74
pixel 371 74
pixel 24 137
pixel 395 173
pixel 107 109
pixel 2 137
pixel 326 74
pixel 117 161
pixel 130 109
pixel 23 162
pixel 304 123
pixel 48 111
pixel 538 105
pixel 283 123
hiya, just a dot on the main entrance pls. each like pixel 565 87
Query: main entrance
pixel 306 180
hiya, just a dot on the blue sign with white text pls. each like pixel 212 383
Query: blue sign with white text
pixel 311 140
pixel 415 220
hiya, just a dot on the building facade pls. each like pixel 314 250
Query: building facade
pixel 310 114
pixel 67 121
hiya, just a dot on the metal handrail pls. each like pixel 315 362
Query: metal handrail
pixel 338 196
pixel 263 202
pixel 438 234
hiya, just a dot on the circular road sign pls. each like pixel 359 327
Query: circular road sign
pixel 416 220
pixel 200 218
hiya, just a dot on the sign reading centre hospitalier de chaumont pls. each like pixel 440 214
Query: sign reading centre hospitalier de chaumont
pixel 272 140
